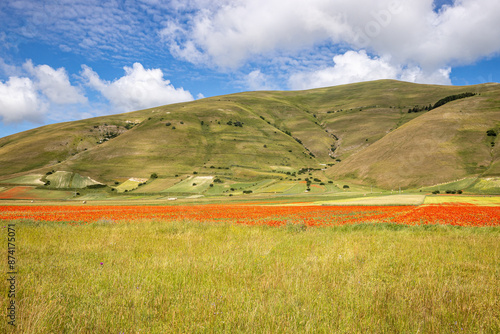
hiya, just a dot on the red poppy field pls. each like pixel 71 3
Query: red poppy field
pixel 16 193
pixel 444 214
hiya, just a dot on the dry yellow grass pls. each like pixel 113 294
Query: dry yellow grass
pixel 378 200
pixel 178 277
pixel 477 200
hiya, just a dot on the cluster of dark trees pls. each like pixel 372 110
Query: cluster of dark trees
pixel 441 102
pixel 452 98
pixel 418 109
pixel 307 170
pixel 449 192
pixel 213 167
pixel 235 123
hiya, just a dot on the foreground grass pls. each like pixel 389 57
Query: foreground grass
pixel 159 277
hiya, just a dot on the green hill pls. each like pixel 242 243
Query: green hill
pixel 359 132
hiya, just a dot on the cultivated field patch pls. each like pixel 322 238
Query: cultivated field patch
pixel 379 200
pixel 32 193
pixel 32 179
pixel 489 185
pixel 20 192
pixel 475 200
pixel 65 180
pixel 193 184
pixel 158 185
pixel 129 185
pixel 278 187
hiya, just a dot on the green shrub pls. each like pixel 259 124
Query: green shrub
pixel 96 186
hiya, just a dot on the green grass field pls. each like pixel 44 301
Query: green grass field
pixel 178 277
pixel 490 185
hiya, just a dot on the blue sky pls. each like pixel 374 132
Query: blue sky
pixel 63 60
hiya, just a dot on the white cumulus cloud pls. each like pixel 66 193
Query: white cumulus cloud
pixel 20 101
pixel 230 33
pixel 458 34
pixel 55 84
pixel 34 93
pixel 349 67
pixel 139 88
pixel 358 66
pixel 256 80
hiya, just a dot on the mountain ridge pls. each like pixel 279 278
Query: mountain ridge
pixel 364 132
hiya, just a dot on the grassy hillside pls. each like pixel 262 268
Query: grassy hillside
pixel 444 144
pixel 361 131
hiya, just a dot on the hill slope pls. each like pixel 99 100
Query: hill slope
pixel 362 131
pixel 444 144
